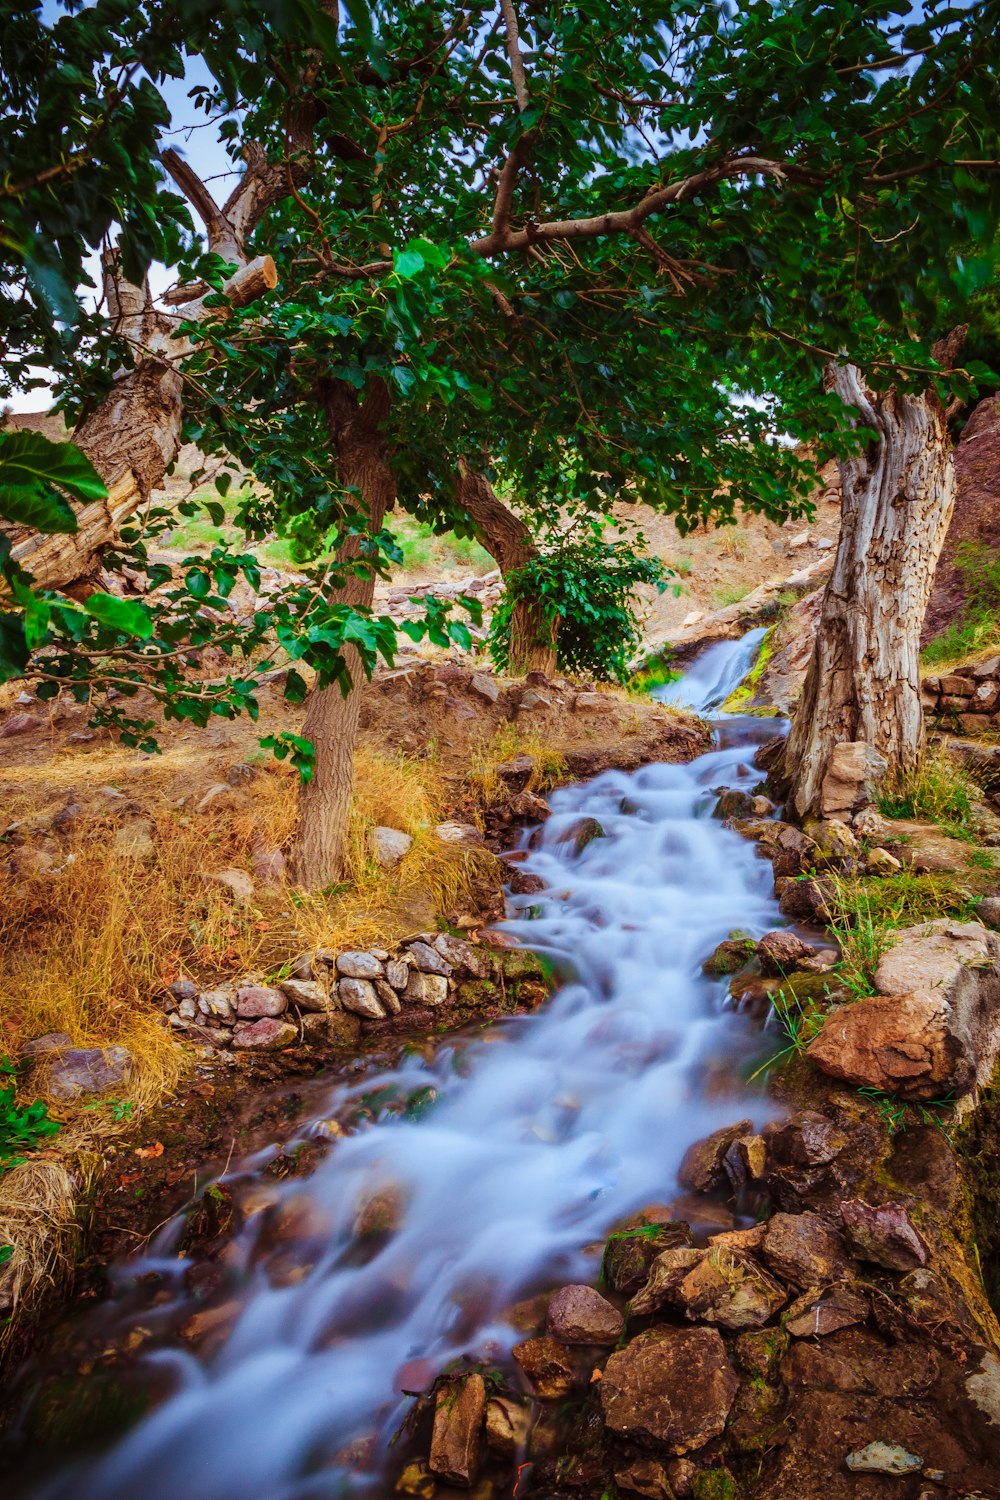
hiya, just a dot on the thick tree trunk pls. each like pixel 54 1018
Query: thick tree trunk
pixel 331 720
pixel 508 540
pixel 863 682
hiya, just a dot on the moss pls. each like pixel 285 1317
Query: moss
pixel 740 698
pixel 714 1484
pixel 71 1414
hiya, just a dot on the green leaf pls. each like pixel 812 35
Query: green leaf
pixel 13 647
pixel 37 506
pixel 407 264
pixel 127 615
pixel 29 459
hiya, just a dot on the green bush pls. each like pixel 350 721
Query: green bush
pixel 22 1127
pixel 586 589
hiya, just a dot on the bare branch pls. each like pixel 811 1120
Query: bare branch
pixel 514 53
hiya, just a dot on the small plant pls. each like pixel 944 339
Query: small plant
pixel 936 790
pixel 861 932
pixel 981 859
pixel 22 1127
pixel 799 1024
pixel 979 624
pixel 120 1110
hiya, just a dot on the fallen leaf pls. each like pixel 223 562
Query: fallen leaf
pixel 597 1375
pixel 156 1149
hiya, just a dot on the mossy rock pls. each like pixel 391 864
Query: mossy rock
pixel 518 963
pixel 629 1253
pixel 479 994
pixel 715 1484
pixel 812 989
pixel 76 1413
pixel 730 956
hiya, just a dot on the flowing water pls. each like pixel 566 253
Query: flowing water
pixel 533 1139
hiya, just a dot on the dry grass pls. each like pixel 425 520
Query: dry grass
pixel 38 1221
pixel 483 777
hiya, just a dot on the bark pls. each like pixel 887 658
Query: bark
pixel 508 540
pixel 863 681
pixel 331 720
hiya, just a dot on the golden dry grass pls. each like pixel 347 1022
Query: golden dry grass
pixel 485 760
pixel 38 1202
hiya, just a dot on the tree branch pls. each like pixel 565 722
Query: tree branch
pixel 514 53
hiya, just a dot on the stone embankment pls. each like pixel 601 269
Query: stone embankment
pixel 965 700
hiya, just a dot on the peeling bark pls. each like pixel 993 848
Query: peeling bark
pixel 863 681
pixel 508 540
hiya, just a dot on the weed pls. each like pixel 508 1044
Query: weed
pixel 487 759
pixel 23 1127
pixel 731 594
pixel 798 1022
pixel 862 932
pixel 981 859
pixel 936 790
pixel 979 625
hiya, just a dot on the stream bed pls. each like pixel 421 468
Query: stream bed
pixel 493 1166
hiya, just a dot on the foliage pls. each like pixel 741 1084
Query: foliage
pixel 937 789
pixel 798 1021
pixel 22 1127
pixel 863 933
pixel 587 589
pixel 979 622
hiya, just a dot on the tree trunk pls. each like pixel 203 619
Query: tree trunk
pixel 331 720
pixel 508 540
pixel 863 682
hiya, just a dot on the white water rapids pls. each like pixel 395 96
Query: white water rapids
pixel 545 1131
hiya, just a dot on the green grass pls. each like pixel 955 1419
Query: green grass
pixel 979 624
pixel 937 791
pixel 423 551
pixel 732 594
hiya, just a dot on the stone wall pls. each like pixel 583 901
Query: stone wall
pixel 966 700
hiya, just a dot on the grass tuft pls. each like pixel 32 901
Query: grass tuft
pixel 937 790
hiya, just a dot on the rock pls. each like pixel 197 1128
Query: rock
pixel 630 1252
pixel 218 1002
pixel 745 1161
pixel 354 965
pixel 670 1387
pixel 183 989
pixel 702 1167
pixel 212 795
pixel 730 1290
pixel 644 1476
pixel 819 962
pixel 806 901
pixel 255 1000
pixel 268 864
pixel 397 973
pixel 464 834
pixel 507 1427
pixel 315 1027
pixel 88 1070
pixel 380 1212
pixel 52 1041
pixel 733 804
pixel 884 1234
pixel 389 845
pixel 730 956
pixel 427 959
pixel 547 1366
pixel 134 840
pixel 819 1313
pixel 426 989
pixel 458 1425
pixel 307 994
pixel 883 1458
pixel 988 911
pixel 881 862
pixel 532 699
pixel 832 838
pixel 852 779
pixel 805 1250
pixel 358 996
pixel 805 1139
pixel 580 1315
pixel 594 703
pixel 580 833
pixel 269 1034
pixel 484 687
pixel 17 724
pixel 460 955
pixel 666 1273
pixel 933 1027
pixel 236 882
pixel 780 951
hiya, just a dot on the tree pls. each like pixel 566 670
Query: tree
pixel 545 249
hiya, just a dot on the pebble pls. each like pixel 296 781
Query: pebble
pixel 883 1458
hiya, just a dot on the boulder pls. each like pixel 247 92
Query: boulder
pixel 734 804
pixel 884 1234
pixel 806 1250
pixel 819 1313
pixel 307 994
pixel 256 1000
pixel 779 952
pixel 580 1315
pixel 670 1388
pixel 359 997
pixel 852 779
pixel 269 1034
pixel 933 1028
pixel 806 900
pixel 456 1440
pixel 389 845
pixel 730 956
pixel 74 1071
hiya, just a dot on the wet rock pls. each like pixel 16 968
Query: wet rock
pixel 255 1000
pixel 456 1440
pixel 426 989
pixel 702 1167
pixel 389 846
pixel 380 1212
pixel 269 1034
pixel 808 900
pixel 746 1161
pixel 733 804
pixel 359 997
pixel 666 1273
pixel 644 1476
pixel 853 776
pixel 730 1290
pixel 805 1139
pixel 427 959
pixel 883 1458
pixel 236 882
pixel 832 839
pixel 630 1252
pixel 75 1071
pixel 307 994
pixel 819 962
pixel 547 1366
pixel 417 1482
pixel 580 1315
pixel 342 1029
pixel 884 1234
pixel 354 965
pixel 779 952
pixel 805 1250
pixel 672 1387
pixel 759 1353
pixel 730 956
pixel 820 1313
pixel 580 833
pixel 507 1425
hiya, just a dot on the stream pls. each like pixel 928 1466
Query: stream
pixel 525 1143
